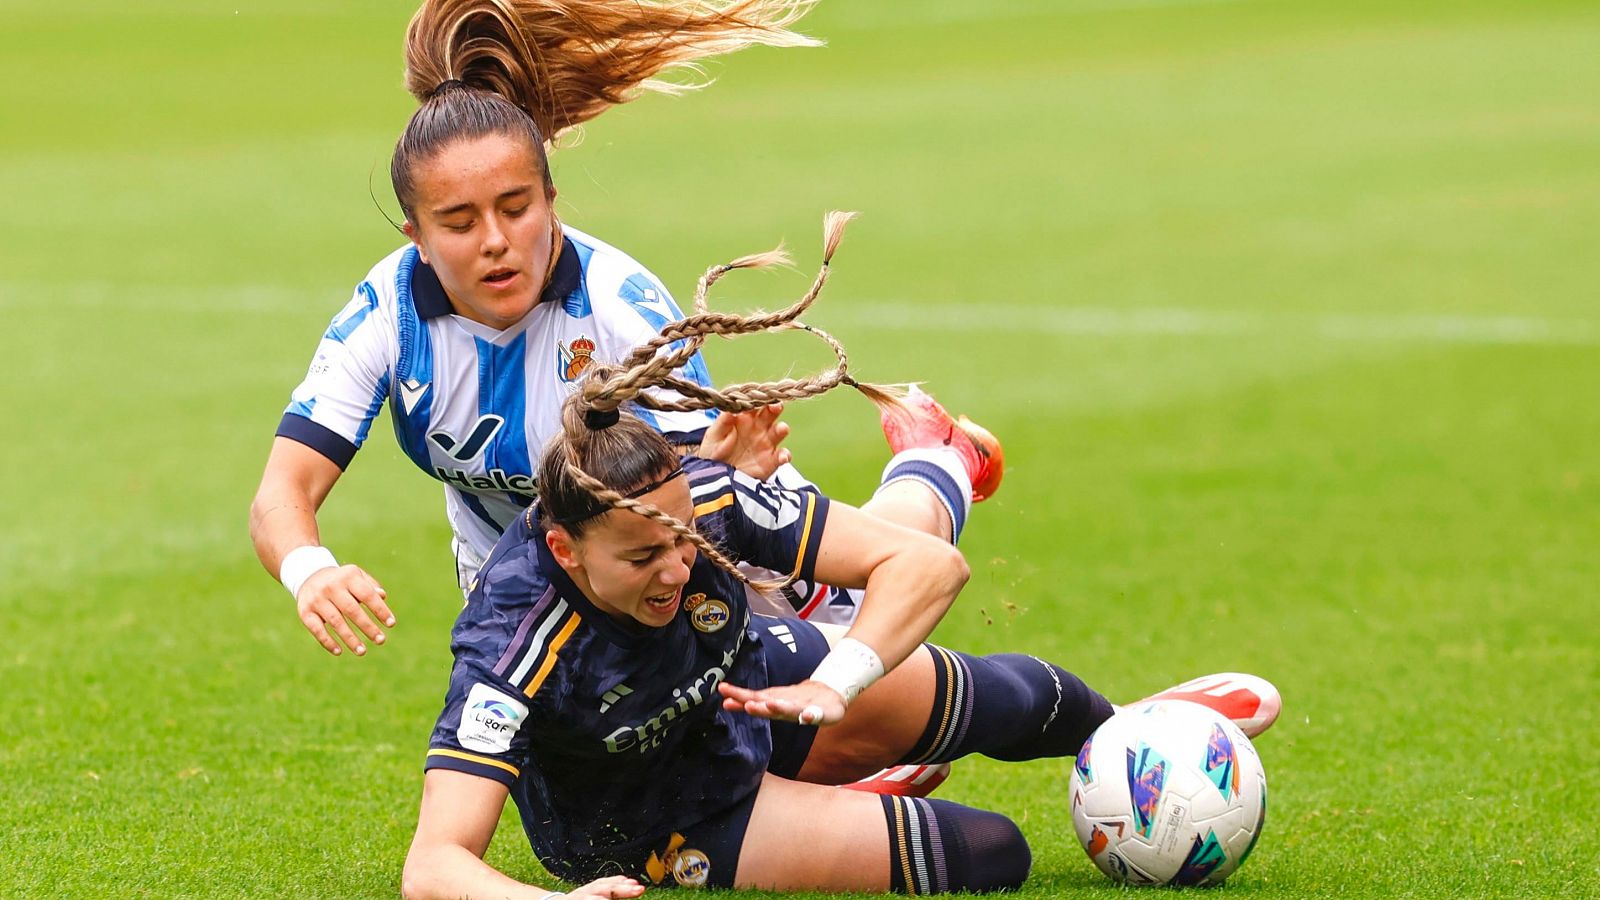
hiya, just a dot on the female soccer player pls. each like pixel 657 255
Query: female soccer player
pixel 611 678
pixel 475 331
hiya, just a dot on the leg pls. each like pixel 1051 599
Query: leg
pixel 914 505
pixel 941 466
pixel 861 842
pixel 881 727
pixel 938 706
pixel 925 490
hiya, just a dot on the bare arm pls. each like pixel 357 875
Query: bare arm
pixel 283 516
pixel 458 818
pixel 911 580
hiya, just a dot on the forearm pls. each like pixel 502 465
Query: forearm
pixel 454 872
pixel 283 515
pixel 281 519
pixel 906 597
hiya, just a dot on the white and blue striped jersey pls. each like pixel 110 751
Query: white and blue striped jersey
pixel 471 406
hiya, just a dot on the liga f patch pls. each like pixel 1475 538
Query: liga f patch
pixel 490 720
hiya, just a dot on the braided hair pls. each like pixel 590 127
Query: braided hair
pixel 605 457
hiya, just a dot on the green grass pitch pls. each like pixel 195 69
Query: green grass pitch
pixel 1286 312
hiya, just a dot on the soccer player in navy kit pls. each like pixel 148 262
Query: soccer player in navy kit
pixel 611 679
pixel 475 332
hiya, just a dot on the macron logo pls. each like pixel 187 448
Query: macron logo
pixel 474 444
pixel 411 391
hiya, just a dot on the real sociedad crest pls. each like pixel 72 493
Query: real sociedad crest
pixel 574 358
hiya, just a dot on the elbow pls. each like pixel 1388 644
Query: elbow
pixel 256 509
pixel 412 881
pixel 420 877
pixel 260 505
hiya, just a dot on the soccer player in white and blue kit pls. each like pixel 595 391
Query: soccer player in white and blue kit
pixel 474 333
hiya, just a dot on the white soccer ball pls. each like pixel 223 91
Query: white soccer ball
pixel 1168 792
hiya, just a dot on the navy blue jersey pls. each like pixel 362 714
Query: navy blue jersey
pixel 610 734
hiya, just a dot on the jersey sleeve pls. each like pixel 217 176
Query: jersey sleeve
pixel 347 383
pixel 480 730
pixel 634 310
pixel 756 522
pixel 484 728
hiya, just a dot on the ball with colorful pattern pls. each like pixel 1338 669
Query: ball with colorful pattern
pixel 1168 793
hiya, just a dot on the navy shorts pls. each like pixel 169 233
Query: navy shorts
pixel 706 853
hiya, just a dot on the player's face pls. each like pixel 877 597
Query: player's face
pixel 631 567
pixel 483 223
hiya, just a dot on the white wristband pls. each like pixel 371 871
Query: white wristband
pixel 303 562
pixel 849 668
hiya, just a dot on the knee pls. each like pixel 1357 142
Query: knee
pixel 996 855
pixel 977 850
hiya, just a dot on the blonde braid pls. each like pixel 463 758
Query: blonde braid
pixel 645 367
pixel 607 387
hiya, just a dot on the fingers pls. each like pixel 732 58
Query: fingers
pixel 331 614
pixel 757 703
pixel 612 887
pixel 738 699
pixel 785 710
pixel 375 602
pixel 737 694
pixel 314 624
pixel 363 592
pixel 333 600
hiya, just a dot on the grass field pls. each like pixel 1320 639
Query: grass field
pixel 1285 311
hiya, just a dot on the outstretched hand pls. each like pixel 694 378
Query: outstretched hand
pixel 808 702
pixel 748 441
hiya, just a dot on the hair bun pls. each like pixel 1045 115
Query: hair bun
pixel 601 419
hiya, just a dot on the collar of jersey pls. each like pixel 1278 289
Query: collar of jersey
pixel 431 302
pixel 626 633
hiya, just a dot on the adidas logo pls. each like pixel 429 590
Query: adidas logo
pixel 782 633
pixel 613 695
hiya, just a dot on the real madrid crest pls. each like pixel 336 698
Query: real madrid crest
pixel 706 614
pixel 687 866
pixel 574 358
pixel 691 868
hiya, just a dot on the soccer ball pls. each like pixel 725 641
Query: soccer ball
pixel 1168 792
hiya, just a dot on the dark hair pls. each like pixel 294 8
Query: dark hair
pixel 622 457
pixel 456 112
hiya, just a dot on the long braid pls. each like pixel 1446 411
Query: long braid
pixel 607 388
pixel 646 367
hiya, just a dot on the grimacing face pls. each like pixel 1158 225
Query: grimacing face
pixel 483 222
pixel 629 566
